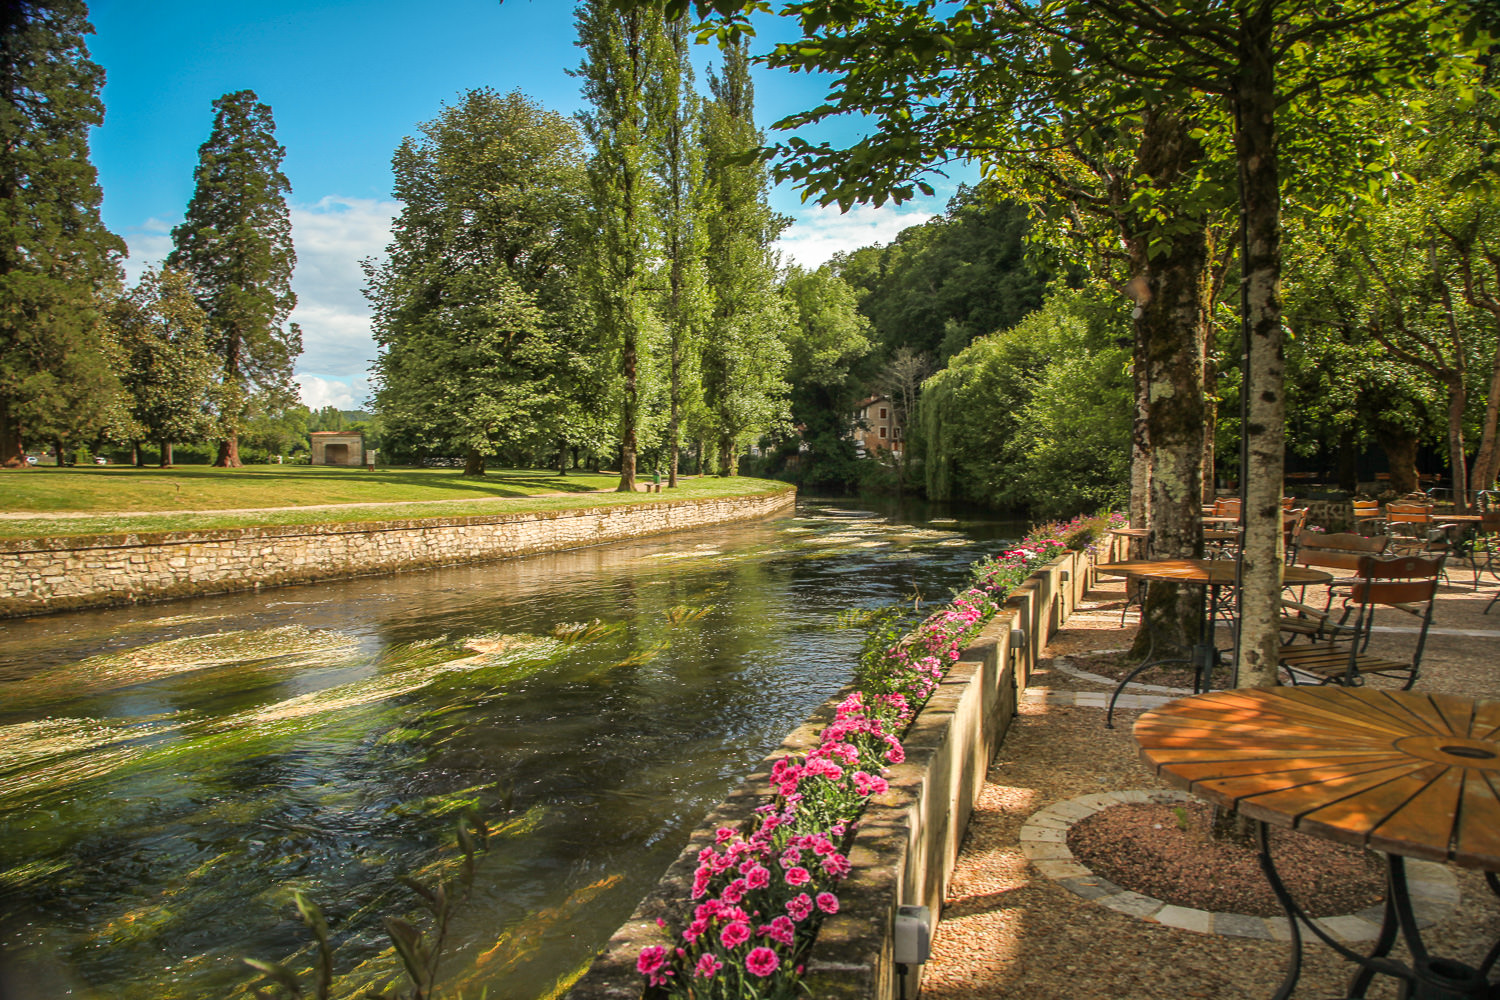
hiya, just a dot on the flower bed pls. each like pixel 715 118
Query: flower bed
pixel 764 885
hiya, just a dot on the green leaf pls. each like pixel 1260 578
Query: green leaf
pixel 277 973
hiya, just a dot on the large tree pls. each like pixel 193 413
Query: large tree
pixel 825 341
pixel 168 368
pixel 744 360
pixel 474 303
pixel 625 52
pixel 56 256
pixel 681 205
pixel 236 243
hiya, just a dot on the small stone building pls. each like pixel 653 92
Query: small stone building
pixel 338 448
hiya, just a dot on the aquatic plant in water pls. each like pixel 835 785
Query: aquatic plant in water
pixel 421 952
pixel 760 893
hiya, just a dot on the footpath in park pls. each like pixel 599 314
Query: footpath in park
pixel 1009 929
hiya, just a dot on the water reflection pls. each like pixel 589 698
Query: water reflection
pixel 170 775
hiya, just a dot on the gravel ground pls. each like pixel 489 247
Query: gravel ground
pixel 1008 931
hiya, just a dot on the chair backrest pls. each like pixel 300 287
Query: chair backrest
pixel 1227 507
pixel 1404 580
pixel 1399 513
pixel 1287 503
pixel 1489 523
pixel 1364 509
pixel 1340 550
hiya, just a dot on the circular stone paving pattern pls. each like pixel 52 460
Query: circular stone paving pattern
pixel 1044 841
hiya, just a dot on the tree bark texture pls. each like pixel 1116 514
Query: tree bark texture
pixel 12 449
pixel 1264 433
pixel 1171 287
pixel 474 463
pixel 1400 447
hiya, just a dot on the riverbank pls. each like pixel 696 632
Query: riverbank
pixel 56 571
pixel 40 503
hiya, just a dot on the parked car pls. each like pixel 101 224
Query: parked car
pixel 100 460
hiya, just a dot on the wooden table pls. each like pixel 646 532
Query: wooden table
pixel 1408 774
pixel 1212 574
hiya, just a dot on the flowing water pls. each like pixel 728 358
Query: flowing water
pixel 171 774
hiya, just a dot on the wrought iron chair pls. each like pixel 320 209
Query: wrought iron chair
pixel 1340 554
pixel 1408 583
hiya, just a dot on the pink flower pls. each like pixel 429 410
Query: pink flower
pixel 781 929
pixel 761 962
pixel 837 865
pixel 790 857
pixel 734 934
pixel 800 907
pixel 724 834
pixel 758 877
pixel 708 966
pixel 734 891
pixel 828 902
pixel 651 959
pixel 797 875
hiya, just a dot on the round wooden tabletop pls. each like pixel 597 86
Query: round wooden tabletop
pixel 1209 534
pixel 1218 572
pixel 1397 771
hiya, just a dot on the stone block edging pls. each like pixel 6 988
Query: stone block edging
pixel 1044 842
pixel 64 573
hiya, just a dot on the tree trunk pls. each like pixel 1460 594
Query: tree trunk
pixel 628 412
pixel 474 463
pixel 1170 281
pixel 726 461
pixel 166 455
pixel 1348 459
pixel 1264 433
pixel 1457 461
pixel 12 449
pixel 1400 447
pixel 1210 415
pixel 229 453
pixel 1487 460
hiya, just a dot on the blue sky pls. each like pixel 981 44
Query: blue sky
pixel 346 82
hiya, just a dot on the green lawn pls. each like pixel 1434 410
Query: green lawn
pixel 128 499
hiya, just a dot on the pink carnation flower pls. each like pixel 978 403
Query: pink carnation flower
pixel 708 966
pixel 797 875
pixel 734 934
pixel 762 962
pixel 828 902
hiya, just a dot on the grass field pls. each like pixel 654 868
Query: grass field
pixel 98 500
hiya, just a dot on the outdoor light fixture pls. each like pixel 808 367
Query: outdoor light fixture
pixel 913 943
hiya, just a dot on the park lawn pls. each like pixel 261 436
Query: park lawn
pixel 131 500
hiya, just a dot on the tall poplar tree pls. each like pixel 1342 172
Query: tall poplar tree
pixel 681 208
pixel 236 243
pixel 55 254
pixel 744 357
pixel 624 47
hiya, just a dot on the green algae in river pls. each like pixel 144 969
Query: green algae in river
pixel 323 745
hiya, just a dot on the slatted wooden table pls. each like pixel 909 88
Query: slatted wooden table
pixel 1408 774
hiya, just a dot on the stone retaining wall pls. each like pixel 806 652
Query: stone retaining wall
pixel 54 574
pixel 908 839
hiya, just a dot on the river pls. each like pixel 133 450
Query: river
pixel 171 774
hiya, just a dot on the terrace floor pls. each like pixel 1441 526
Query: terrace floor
pixel 1010 930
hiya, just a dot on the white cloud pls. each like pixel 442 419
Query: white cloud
pixel 817 233
pixel 332 236
pixel 346 394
